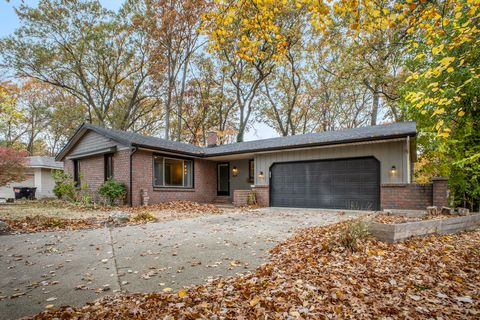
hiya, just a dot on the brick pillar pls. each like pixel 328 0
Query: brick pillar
pixel 262 195
pixel 440 192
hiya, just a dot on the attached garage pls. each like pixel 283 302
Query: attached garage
pixel 352 183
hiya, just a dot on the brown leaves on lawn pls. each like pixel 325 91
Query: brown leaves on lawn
pixel 179 206
pixel 156 212
pixel 394 219
pixel 307 278
pixel 41 223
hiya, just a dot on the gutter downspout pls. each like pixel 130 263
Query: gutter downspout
pixel 409 173
pixel 132 152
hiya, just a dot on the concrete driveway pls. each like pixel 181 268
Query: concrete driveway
pixel 73 267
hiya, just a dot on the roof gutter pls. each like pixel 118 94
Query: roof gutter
pixel 197 155
pixel 133 150
pixel 312 145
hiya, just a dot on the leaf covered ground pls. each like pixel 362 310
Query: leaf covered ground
pixel 54 215
pixel 393 219
pixel 310 276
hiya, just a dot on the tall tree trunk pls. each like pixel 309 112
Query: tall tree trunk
pixel 376 100
pixel 167 115
pixel 242 124
pixel 180 102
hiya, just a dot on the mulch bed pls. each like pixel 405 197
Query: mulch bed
pixel 394 219
pixel 310 276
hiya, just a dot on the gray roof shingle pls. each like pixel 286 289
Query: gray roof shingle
pixel 388 131
pixel 378 132
pixel 132 138
pixel 44 162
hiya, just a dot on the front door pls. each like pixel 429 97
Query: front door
pixel 223 179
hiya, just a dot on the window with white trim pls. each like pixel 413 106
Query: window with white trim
pixel 172 172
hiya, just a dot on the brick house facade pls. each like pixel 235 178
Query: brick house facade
pixel 204 185
pixel 92 170
pixel 345 164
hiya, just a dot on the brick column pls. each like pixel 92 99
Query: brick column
pixel 262 195
pixel 240 197
pixel 440 192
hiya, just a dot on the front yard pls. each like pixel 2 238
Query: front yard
pixel 333 271
pixel 54 215
pixel 313 276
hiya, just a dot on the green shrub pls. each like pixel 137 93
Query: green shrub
pixel 353 233
pixel 83 195
pixel 112 190
pixel 64 186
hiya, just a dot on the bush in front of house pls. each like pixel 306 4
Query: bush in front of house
pixel 66 189
pixel 112 190
pixel 64 186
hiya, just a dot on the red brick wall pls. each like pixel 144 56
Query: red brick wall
pixel 263 195
pixel 440 191
pixel 406 196
pixel 205 182
pixel 92 170
pixel 240 197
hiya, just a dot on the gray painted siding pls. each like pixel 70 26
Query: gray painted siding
pixel 93 141
pixel 393 153
pixel 240 182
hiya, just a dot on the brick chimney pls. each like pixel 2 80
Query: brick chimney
pixel 211 139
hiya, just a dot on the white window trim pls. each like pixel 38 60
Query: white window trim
pixel 163 173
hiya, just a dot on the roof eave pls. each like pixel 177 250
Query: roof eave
pixel 79 133
pixel 159 149
pixel 306 145
pixel 61 154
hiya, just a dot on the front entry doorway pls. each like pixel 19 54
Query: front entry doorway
pixel 223 179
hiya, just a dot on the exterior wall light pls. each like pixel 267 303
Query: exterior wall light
pixel 393 170
pixel 235 171
pixel 260 175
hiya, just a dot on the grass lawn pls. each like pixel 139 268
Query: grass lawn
pixel 313 276
pixel 52 209
pixel 52 215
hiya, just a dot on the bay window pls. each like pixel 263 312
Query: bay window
pixel 172 172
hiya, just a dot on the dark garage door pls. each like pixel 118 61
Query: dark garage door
pixel 330 184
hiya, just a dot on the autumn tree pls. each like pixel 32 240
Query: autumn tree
pixel 12 165
pixel 210 104
pixel 85 50
pixel 172 29
pixel 11 117
pixel 35 106
pixel 283 88
pixel 442 93
pixel 250 39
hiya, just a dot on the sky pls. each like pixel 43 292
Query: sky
pixel 9 22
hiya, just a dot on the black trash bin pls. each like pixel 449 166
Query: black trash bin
pixel 24 192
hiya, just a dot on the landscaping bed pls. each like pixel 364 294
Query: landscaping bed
pixel 397 227
pixel 313 275
pixel 393 219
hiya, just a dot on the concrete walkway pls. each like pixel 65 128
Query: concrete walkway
pixel 73 267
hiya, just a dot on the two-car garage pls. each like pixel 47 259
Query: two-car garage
pixel 352 183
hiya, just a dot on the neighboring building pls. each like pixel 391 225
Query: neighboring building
pixel 38 175
pixel 344 169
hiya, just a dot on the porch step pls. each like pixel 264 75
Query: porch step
pixel 223 200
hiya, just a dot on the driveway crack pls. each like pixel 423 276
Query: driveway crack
pixel 114 257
